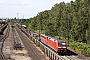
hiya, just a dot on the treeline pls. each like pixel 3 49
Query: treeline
pixel 68 20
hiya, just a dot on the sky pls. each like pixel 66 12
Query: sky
pixel 25 8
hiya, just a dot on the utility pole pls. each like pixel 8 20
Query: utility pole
pixel 17 16
pixel 21 19
pixel 23 16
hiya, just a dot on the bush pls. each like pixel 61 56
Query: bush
pixel 81 48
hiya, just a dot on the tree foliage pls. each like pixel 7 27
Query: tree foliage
pixel 69 20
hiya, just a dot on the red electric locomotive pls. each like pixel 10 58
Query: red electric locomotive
pixel 57 45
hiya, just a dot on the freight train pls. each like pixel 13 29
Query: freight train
pixel 58 45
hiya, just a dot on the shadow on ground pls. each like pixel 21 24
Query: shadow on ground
pixel 68 53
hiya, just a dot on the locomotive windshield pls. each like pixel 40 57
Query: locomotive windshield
pixel 61 43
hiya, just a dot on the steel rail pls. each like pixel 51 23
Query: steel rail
pixel 3 39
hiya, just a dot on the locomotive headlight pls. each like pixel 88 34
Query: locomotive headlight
pixel 64 47
pixel 59 47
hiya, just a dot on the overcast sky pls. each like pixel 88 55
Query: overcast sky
pixel 25 8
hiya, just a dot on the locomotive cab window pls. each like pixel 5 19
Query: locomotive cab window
pixel 61 43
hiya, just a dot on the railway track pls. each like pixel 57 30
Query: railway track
pixel 16 39
pixel 70 57
pixel 2 42
pixel 12 51
pixel 33 50
pixel 19 52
